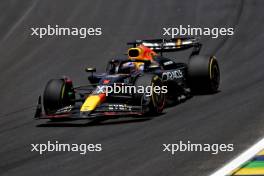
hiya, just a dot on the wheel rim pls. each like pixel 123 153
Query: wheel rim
pixel 158 99
pixel 215 76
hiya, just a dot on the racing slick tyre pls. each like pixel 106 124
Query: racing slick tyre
pixel 203 74
pixel 58 93
pixel 149 98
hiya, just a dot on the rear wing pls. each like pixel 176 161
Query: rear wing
pixel 167 45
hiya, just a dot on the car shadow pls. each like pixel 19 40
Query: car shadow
pixel 95 123
pixel 206 93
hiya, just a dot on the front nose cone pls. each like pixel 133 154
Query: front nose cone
pixel 92 102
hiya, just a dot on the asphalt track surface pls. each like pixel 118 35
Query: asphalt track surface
pixel 130 147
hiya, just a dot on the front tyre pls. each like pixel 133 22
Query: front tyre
pixel 58 93
pixel 152 99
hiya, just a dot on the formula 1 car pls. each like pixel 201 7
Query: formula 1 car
pixel 142 72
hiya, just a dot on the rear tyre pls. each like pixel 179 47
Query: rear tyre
pixel 58 93
pixel 149 98
pixel 203 74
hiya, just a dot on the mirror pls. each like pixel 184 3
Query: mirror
pixel 90 69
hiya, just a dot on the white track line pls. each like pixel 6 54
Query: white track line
pixel 245 156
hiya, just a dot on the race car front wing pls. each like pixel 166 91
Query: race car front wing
pixel 105 109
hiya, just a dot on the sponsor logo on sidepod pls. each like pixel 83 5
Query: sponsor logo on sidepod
pixel 171 75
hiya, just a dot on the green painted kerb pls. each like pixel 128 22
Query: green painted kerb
pixel 255 164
